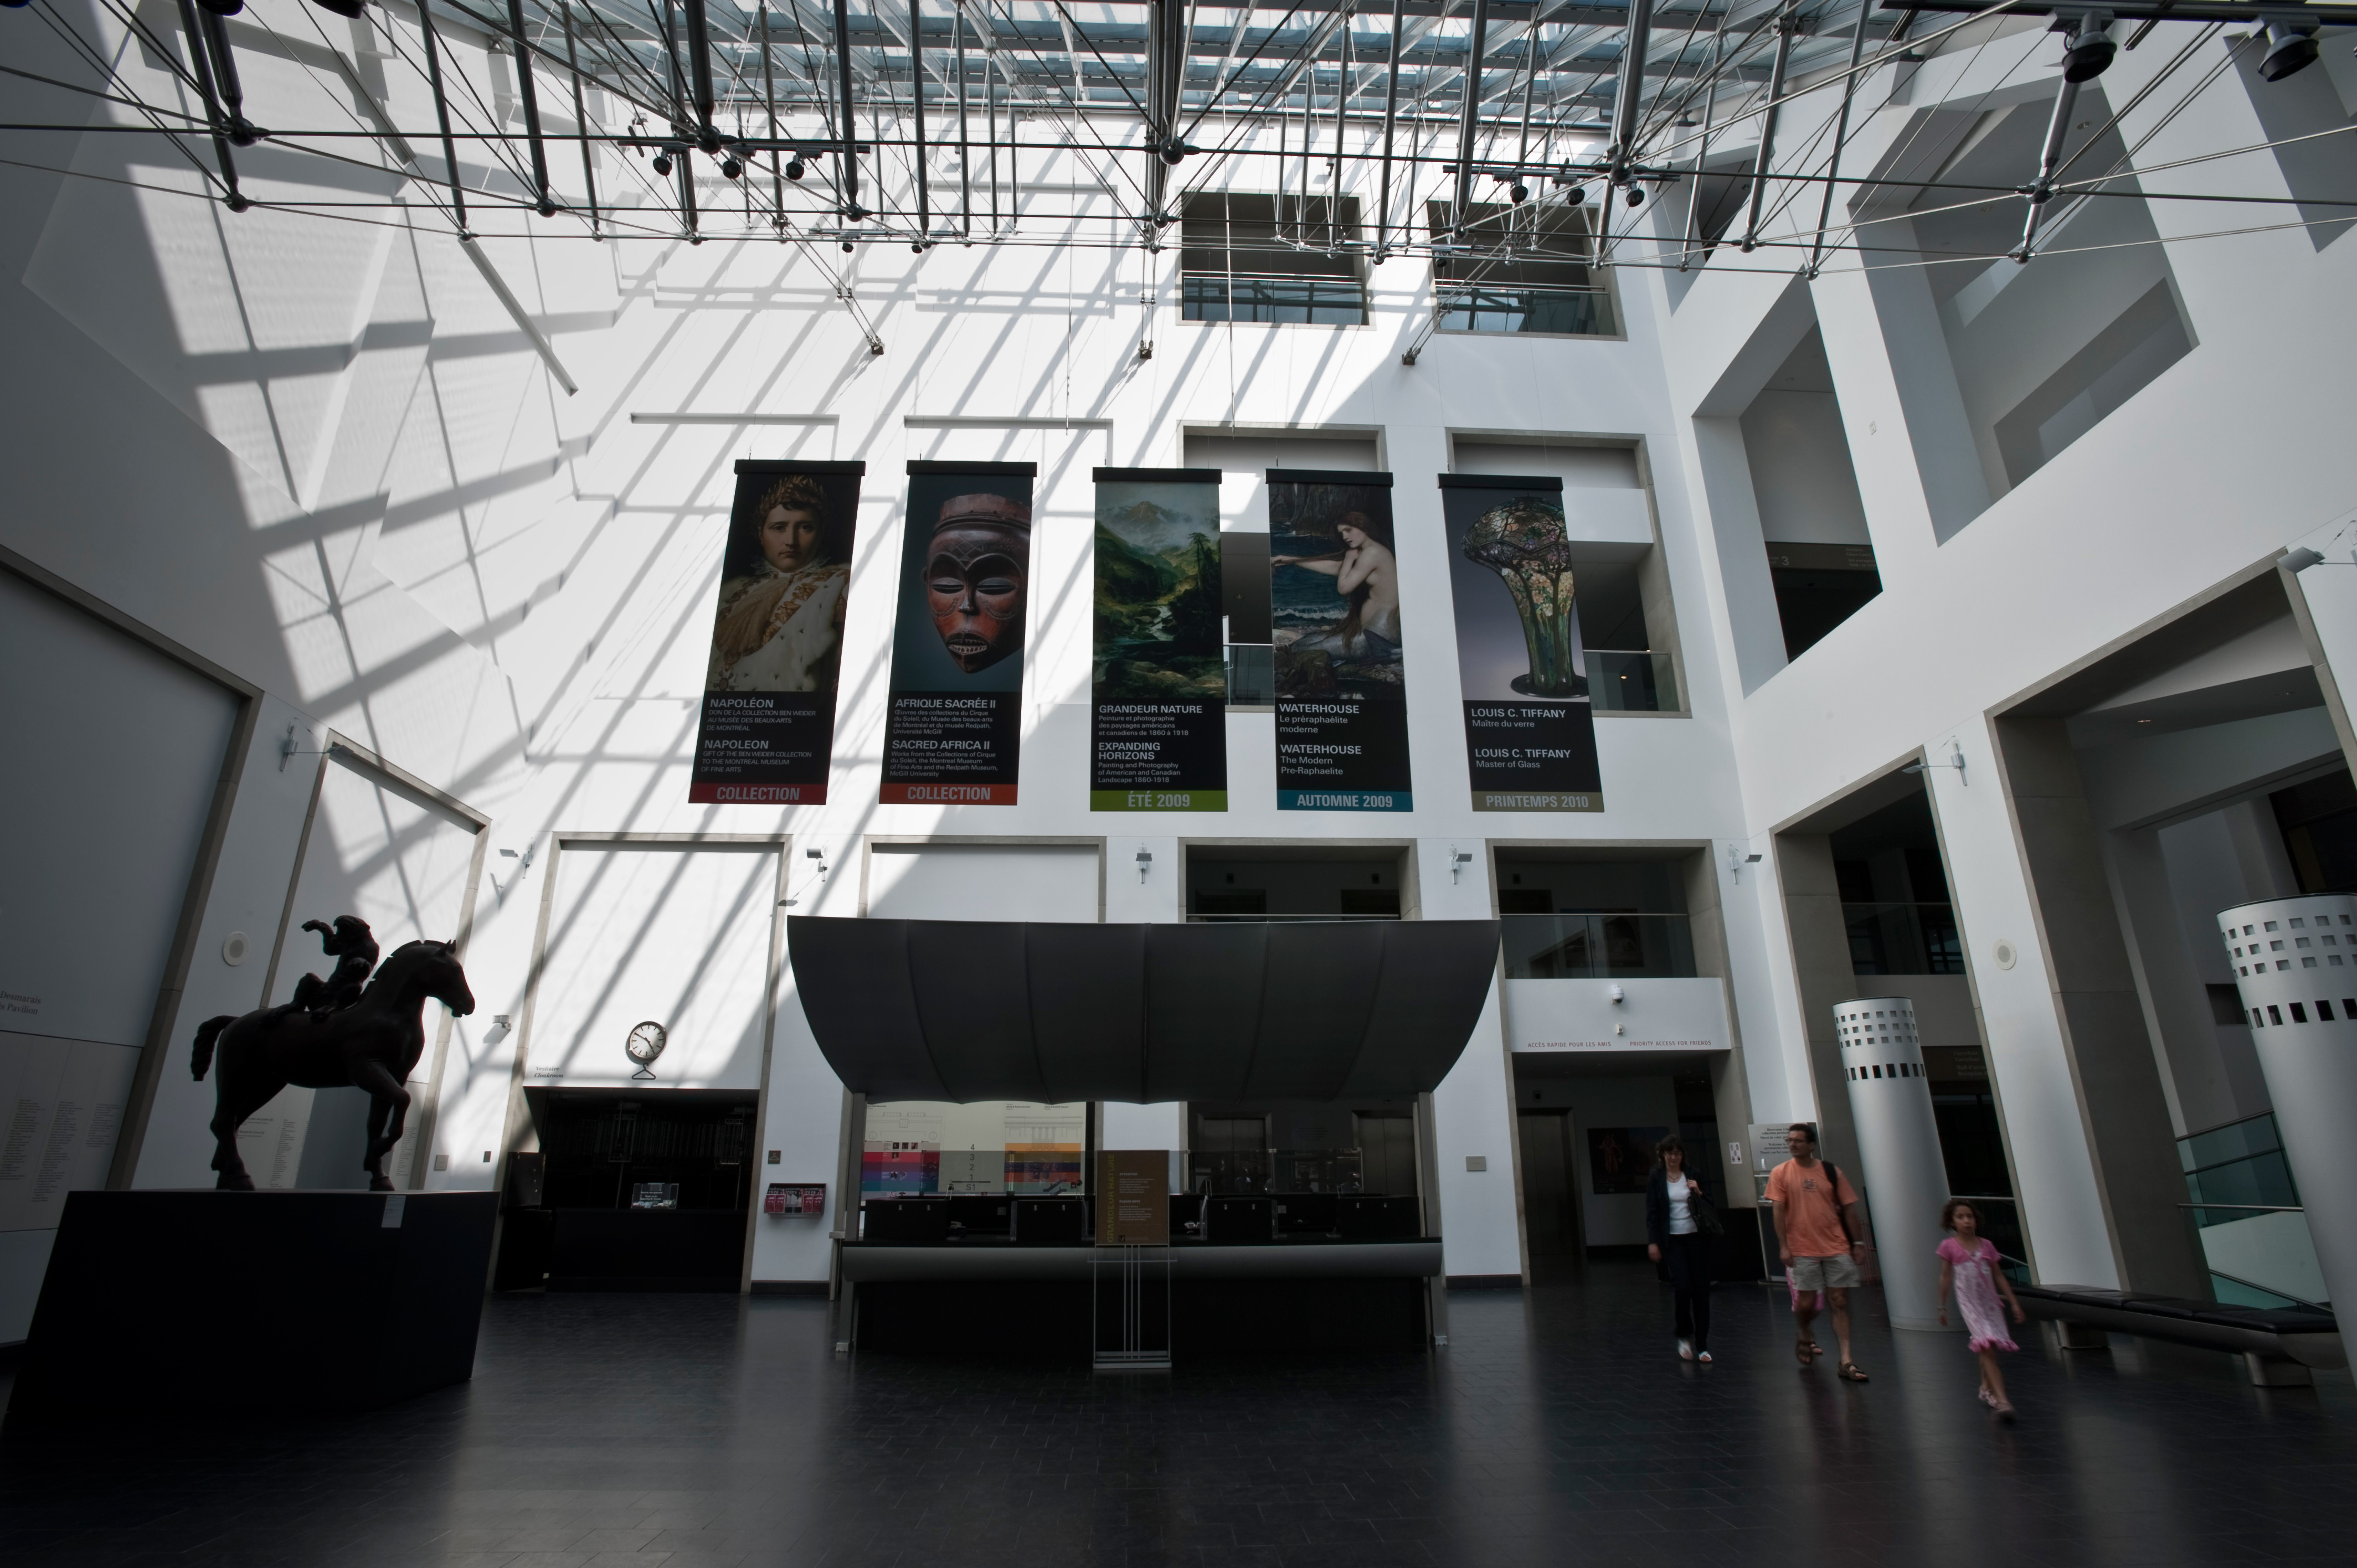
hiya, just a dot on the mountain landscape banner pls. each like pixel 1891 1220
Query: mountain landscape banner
pixel 1158 729
pixel 1342 689
pixel 1530 729
pixel 954 728
pixel 767 734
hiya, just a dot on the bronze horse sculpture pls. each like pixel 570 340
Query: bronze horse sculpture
pixel 372 1044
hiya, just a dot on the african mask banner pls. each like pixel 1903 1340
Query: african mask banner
pixel 955 724
pixel 1530 729
pixel 1342 691
pixel 1158 730
pixel 767 729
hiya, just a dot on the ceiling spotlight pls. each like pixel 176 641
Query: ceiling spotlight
pixel 2291 49
pixel 847 247
pixel 1519 194
pixel 1634 197
pixel 351 9
pixel 730 168
pixel 918 248
pixel 1574 196
pixel 223 7
pixel 662 163
pixel 793 169
pixel 2089 52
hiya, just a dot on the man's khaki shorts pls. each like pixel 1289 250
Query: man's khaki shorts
pixel 1836 1273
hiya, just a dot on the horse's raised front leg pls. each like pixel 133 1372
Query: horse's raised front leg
pixel 386 1096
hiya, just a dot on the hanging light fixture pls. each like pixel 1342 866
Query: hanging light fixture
pixel 2291 49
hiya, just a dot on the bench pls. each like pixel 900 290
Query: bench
pixel 2278 1345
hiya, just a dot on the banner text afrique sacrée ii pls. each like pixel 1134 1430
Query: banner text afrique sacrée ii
pixel 1159 733
pixel 1530 729
pixel 1342 691
pixel 952 732
pixel 767 731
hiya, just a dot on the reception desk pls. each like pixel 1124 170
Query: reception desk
pixel 982 1295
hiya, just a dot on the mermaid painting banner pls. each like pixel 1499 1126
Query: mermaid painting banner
pixel 1341 689
pixel 1530 732
pixel 767 731
pixel 955 724
pixel 1158 731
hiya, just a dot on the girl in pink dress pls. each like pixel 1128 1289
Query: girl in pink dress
pixel 1968 1263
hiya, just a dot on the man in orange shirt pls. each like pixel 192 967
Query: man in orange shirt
pixel 1814 1235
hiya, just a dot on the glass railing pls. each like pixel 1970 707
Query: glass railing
pixel 2242 1164
pixel 1251 675
pixel 1572 312
pixel 1630 679
pixel 2246 1216
pixel 1903 939
pixel 1330 302
pixel 1598 947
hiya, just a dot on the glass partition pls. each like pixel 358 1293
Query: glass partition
pixel 922 1146
pixel 1341 1147
pixel 1594 947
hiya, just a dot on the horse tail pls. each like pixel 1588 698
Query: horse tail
pixel 208 1033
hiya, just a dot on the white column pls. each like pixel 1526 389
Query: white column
pixel 2295 965
pixel 1898 1140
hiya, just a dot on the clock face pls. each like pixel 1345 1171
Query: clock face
pixel 646 1043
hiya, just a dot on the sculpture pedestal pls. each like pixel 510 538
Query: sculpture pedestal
pixel 256 1300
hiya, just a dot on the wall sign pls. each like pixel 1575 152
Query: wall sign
pixel 1341 688
pixel 955 724
pixel 1530 729
pixel 1158 730
pixel 767 731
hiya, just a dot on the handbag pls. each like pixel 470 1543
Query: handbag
pixel 1706 1216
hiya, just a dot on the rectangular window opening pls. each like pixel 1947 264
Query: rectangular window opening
pixel 1277 260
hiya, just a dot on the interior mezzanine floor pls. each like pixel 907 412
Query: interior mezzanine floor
pixel 1557 1427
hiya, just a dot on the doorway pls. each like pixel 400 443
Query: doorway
pixel 1550 1195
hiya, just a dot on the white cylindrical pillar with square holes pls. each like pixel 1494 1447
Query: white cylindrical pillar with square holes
pixel 1905 1181
pixel 2295 965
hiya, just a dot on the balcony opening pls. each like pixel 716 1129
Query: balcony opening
pixel 1244 457
pixel 1593 919
pixel 1230 884
pixel 1812 519
pixel 1519 269
pixel 1280 259
pixel 1716 199
pixel 2002 366
pixel 1627 628
pixel 1894 893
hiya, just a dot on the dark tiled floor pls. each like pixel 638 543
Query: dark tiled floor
pixel 1557 1429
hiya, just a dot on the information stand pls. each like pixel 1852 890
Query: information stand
pixel 1130 1272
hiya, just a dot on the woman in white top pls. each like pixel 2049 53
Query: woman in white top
pixel 1679 1222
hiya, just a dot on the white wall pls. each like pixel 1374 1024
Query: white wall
pixel 677 935
pixel 114 754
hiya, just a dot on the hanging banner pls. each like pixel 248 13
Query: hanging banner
pixel 1159 733
pixel 768 730
pixel 1342 691
pixel 1530 731
pixel 954 722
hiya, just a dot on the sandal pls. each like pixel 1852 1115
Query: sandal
pixel 1806 1350
pixel 1848 1372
